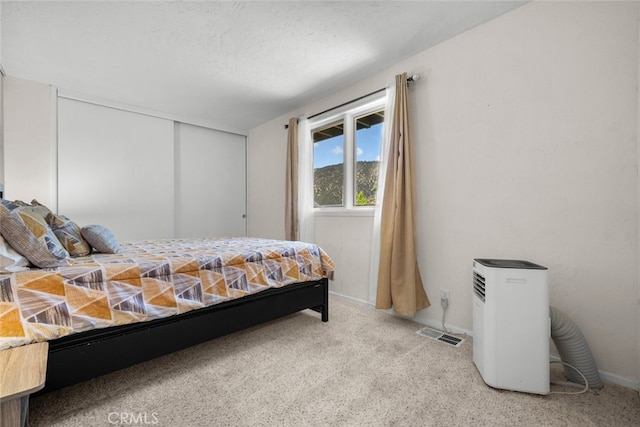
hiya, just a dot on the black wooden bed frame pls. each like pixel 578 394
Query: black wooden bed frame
pixel 82 356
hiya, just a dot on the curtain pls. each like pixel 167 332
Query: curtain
pixel 377 216
pixel 291 196
pixel 399 281
pixel 305 182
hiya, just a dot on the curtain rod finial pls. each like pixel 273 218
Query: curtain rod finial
pixel 414 78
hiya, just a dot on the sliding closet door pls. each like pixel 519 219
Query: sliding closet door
pixel 210 182
pixel 116 168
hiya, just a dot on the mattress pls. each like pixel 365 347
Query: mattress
pixel 148 280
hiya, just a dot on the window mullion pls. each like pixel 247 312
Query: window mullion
pixel 349 159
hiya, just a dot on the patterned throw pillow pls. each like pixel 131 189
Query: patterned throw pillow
pixel 8 204
pixel 101 239
pixel 40 208
pixel 27 232
pixel 65 230
pixel 69 235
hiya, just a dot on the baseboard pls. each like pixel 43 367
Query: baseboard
pixel 351 299
pixel 423 321
pixel 605 376
pixel 448 328
pixel 608 377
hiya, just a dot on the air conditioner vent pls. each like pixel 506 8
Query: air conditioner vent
pixel 478 285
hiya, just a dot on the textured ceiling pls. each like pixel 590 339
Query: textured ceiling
pixel 238 64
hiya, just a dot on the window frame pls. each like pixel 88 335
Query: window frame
pixel 348 114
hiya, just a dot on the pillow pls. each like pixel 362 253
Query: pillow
pixel 101 239
pixel 8 204
pixel 10 260
pixel 40 208
pixel 28 233
pixel 34 202
pixel 69 234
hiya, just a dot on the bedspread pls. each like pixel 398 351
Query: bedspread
pixel 148 280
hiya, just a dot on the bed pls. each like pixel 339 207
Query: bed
pixel 103 312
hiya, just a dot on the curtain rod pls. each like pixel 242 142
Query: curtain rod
pixel 413 78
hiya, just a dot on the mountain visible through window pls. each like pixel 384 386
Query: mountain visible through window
pixel 328 165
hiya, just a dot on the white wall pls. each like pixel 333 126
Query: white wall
pixel 527 132
pixel 348 240
pixel 29 129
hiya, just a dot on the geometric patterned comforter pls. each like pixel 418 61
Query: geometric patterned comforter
pixel 148 280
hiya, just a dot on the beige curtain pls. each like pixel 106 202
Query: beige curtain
pixel 291 197
pixel 399 281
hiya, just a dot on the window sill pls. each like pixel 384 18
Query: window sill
pixel 344 212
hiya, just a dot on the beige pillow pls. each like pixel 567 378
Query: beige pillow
pixel 27 232
pixel 40 208
pixel 65 230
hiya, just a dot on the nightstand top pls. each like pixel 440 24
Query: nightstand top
pixel 22 370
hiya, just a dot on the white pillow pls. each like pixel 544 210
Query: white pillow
pixel 10 260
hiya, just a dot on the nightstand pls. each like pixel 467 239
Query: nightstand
pixel 22 372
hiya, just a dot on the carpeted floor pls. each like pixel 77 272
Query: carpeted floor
pixel 362 368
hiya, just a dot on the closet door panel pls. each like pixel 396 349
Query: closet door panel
pixel 116 168
pixel 210 182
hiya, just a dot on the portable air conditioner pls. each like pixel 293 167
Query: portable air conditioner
pixel 511 326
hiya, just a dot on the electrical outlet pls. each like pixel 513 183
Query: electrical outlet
pixel 444 296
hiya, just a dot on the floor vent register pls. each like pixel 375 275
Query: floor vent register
pixel 434 334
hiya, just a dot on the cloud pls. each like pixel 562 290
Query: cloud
pixel 336 150
pixel 359 152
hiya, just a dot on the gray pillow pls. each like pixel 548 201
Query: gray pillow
pixel 100 238
pixel 27 232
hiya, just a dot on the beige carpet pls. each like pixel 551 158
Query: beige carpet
pixel 362 368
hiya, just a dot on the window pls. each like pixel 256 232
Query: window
pixel 346 157
pixel 328 165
